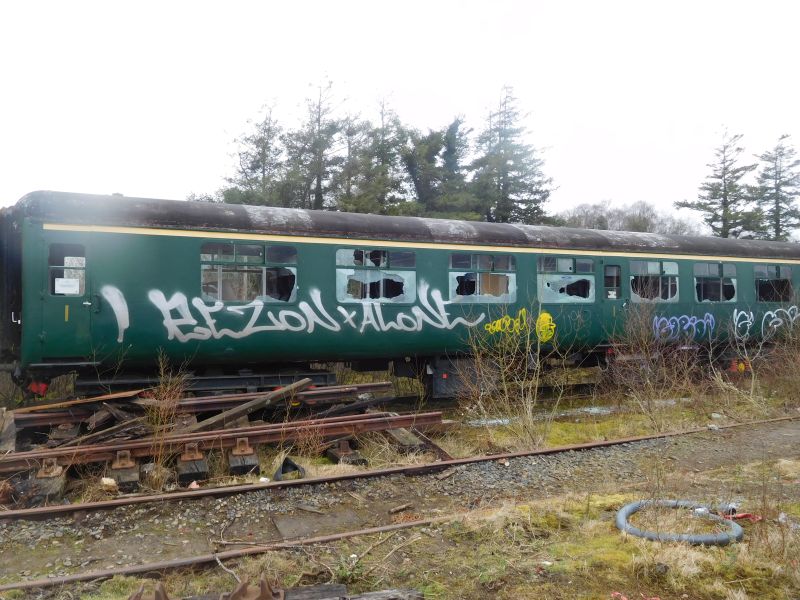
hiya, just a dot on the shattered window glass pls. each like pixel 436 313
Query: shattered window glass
pixel 476 286
pixel 484 278
pixel 280 283
pixel 773 283
pixel 358 285
pixel 236 273
pixel 654 288
pixel 560 289
pixel 711 286
pixel 377 276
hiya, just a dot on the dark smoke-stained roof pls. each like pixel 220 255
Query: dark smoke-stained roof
pixel 87 209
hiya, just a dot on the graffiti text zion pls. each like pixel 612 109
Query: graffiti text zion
pixel 186 320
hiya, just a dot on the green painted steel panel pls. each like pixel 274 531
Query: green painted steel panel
pixel 143 293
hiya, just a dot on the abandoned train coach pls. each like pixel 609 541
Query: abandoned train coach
pixel 92 283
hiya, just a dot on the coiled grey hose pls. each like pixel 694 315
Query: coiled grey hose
pixel 734 534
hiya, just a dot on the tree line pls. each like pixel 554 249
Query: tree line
pixel 333 161
pixel 750 199
pixel 349 163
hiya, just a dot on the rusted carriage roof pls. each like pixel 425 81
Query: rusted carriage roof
pixel 88 209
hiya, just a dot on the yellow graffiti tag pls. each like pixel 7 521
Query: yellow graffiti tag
pixel 506 324
pixel 545 327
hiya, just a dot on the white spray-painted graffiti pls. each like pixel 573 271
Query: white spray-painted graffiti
pixel 182 324
pixel 771 322
pixel 116 300
pixel 689 326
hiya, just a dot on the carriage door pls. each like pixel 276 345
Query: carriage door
pixel 613 299
pixel 67 305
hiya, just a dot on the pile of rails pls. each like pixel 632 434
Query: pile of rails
pixel 133 433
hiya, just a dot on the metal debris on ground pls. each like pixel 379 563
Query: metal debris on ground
pixel 116 430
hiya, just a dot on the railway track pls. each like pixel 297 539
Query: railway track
pixel 44 512
pixel 255 548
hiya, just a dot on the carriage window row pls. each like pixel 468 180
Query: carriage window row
pixel 245 272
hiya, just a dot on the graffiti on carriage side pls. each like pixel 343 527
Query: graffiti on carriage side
pixel 771 321
pixel 544 328
pixel 683 326
pixel 509 324
pixel 187 319
pixel 742 323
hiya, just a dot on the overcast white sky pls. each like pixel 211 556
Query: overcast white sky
pixel 627 99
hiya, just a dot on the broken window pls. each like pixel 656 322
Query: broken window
pixel 773 283
pixel 361 258
pixel 357 285
pixel 67 266
pixel 482 278
pixel 378 275
pixel 279 283
pixel 237 273
pixel 654 281
pixel 559 288
pixel 715 282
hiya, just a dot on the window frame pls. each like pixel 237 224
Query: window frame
pixel 543 258
pixel 618 287
pixel 345 270
pixel 721 277
pixel 51 280
pixel 476 268
pixel 546 275
pixel 661 273
pixel 777 275
pixel 233 264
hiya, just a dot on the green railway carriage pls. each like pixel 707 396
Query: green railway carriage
pixel 98 282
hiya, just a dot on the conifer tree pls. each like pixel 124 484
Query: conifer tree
pixel 508 173
pixel 777 188
pixel 723 199
pixel 259 166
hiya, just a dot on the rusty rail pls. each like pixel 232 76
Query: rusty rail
pixel 191 561
pixel 218 439
pixel 41 512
